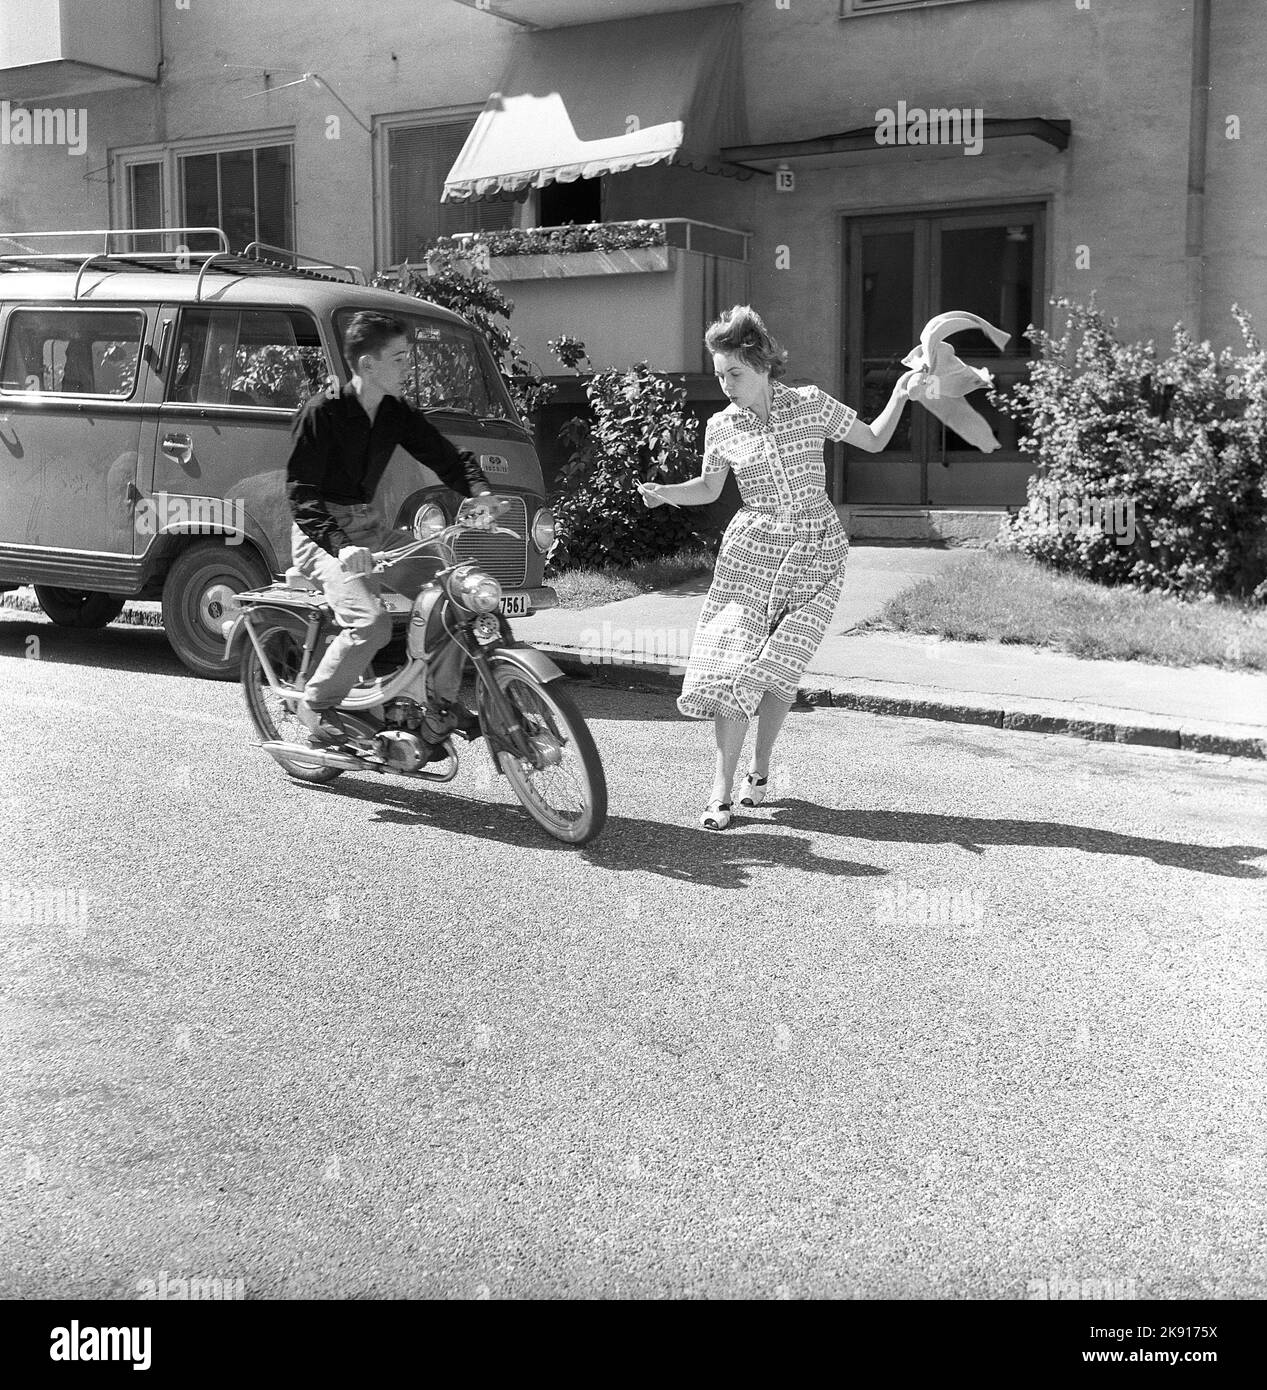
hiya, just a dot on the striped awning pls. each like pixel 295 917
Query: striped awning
pixel 596 99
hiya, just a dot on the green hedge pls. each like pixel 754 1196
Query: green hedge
pixel 1174 446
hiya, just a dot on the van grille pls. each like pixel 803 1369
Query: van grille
pixel 504 557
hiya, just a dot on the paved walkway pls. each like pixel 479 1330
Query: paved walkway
pixel 1203 709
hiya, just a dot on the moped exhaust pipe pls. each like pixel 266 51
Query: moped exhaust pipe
pixel 348 762
pixel 322 757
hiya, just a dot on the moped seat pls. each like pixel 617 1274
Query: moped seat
pixel 296 579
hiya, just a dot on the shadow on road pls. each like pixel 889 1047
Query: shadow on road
pixel 687 854
pixel 975 832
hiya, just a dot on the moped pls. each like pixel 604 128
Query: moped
pixel 536 736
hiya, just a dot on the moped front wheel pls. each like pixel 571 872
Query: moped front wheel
pixel 563 788
pixel 274 716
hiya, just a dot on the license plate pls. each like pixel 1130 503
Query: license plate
pixel 514 605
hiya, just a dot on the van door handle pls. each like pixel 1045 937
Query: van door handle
pixel 178 447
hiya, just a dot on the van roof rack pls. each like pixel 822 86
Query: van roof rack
pixel 259 258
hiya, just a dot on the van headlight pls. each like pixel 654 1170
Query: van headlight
pixel 478 591
pixel 543 529
pixel 429 520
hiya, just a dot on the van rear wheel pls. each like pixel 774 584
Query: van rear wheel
pixel 197 597
pixel 79 607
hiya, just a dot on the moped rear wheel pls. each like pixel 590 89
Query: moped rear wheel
pixel 275 718
pixel 565 789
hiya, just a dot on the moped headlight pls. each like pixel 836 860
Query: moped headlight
pixel 478 591
pixel 429 520
pixel 543 529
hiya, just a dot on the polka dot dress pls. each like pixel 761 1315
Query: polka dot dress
pixel 781 565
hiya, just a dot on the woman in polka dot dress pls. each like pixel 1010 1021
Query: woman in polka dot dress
pixel 780 568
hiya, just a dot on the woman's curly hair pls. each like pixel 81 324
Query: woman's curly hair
pixel 740 332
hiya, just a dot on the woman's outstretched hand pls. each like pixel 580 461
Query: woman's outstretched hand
pixel 912 385
pixel 650 494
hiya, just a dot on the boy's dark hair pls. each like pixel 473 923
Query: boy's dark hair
pixel 370 332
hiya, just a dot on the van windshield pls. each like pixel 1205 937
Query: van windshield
pixel 451 369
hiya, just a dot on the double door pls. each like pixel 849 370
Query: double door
pixel 902 270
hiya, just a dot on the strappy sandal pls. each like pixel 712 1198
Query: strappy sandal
pixel 717 817
pixel 754 790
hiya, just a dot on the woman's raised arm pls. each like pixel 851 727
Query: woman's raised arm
pixel 873 437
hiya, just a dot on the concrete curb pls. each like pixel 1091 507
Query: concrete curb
pixel 995 711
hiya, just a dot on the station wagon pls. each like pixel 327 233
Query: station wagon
pixel 146 400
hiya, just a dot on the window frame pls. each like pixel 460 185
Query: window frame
pixel 23 394
pixel 381 168
pixel 169 156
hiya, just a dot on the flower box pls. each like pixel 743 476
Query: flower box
pixel 567 265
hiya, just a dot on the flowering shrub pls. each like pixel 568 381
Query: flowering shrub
pixel 546 241
pixel 453 283
pixel 1181 440
pixel 641 431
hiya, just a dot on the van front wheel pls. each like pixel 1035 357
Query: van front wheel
pixel 78 607
pixel 197 597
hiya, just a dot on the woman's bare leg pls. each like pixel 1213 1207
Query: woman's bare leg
pixel 730 736
pixel 771 713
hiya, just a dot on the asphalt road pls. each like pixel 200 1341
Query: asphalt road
pixel 962 1012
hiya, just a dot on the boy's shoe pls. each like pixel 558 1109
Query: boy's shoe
pixel 455 718
pixel 326 728
pixel 466 721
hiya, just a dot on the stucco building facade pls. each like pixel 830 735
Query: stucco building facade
pixel 1106 146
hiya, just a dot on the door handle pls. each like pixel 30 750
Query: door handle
pixel 178 447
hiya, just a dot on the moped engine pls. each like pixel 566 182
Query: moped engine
pixel 400 750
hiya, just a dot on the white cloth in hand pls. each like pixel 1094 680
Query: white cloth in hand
pixel 955 379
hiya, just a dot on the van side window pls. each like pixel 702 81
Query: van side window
pixel 74 352
pixel 253 357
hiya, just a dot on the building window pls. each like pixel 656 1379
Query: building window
pixel 419 157
pixel 248 193
pixel 145 201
